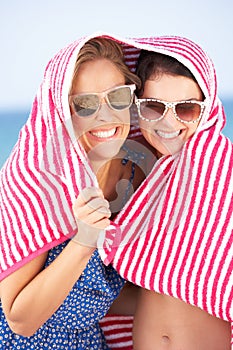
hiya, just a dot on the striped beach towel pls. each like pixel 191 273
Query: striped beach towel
pixel 174 236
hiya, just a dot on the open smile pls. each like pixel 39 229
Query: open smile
pixel 168 135
pixel 104 134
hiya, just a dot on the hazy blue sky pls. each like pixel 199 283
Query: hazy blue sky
pixel 31 32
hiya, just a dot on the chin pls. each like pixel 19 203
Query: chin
pixel 105 151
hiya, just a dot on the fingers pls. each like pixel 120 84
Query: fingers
pixel 87 194
pixel 96 218
pixel 97 204
pixel 100 224
pixel 91 208
pixel 92 214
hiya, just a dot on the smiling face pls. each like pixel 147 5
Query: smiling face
pixel 168 135
pixel 103 133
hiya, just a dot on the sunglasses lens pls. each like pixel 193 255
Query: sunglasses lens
pixel 189 111
pixel 120 98
pixel 152 110
pixel 86 105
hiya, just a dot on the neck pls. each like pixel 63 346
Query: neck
pixel 101 170
pixel 98 165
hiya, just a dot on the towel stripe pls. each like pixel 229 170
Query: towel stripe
pixel 118 331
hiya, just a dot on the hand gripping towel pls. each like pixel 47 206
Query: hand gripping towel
pixel 175 235
pixel 46 169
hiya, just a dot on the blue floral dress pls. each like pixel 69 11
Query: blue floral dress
pixel 75 324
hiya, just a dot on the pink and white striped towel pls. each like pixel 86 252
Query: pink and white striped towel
pixel 175 235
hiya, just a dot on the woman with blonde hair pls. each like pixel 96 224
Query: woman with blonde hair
pixel 57 190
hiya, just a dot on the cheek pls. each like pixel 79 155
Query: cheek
pixel 191 130
pixel 146 128
pixel 125 130
pixel 80 126
pixel 124 117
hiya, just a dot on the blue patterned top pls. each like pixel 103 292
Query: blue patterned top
pixel 75 324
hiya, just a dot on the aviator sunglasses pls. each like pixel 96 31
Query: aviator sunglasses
pixel 117 98
pixel 152 110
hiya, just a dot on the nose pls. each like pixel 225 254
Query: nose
pixel 169 117
pixel 104 112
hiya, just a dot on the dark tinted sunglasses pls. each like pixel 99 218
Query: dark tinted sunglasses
pixel 118 99
pixel 152 110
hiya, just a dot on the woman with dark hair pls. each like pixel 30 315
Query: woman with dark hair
pixel 177 229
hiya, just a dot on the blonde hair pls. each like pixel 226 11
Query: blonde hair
pixel 105 48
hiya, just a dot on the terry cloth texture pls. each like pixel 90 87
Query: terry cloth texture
pixel 176 233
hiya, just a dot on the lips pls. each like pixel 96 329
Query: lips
pixel 168 135
pixel 103 134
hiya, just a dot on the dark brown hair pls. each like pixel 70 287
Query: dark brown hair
pixel 153 64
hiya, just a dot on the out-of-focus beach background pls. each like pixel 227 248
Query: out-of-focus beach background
pixel 32 32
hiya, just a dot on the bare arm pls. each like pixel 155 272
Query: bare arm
pixel 32 294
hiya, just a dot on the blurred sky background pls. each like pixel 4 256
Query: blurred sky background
pixel 31 32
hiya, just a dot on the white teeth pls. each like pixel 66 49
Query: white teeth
pixel 168 135
pixel 104 134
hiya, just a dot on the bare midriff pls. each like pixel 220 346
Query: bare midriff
pixel 165 323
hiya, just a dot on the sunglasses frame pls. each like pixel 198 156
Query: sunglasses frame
pixel 104 95
pixel 168 105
